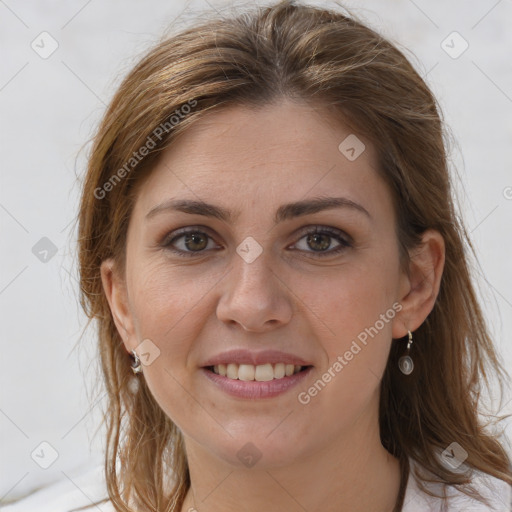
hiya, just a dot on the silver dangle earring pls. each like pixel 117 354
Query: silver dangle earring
pixel 405 363
pixel 136 364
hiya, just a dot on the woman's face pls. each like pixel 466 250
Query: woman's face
pixel 252 280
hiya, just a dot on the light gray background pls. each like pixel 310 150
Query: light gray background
pixel 49 108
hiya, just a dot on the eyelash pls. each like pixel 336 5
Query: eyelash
pixel 339 235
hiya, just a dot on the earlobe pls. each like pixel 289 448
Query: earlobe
pixel 115 291
pixel 423 282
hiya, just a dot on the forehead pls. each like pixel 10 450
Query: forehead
pixel 241 155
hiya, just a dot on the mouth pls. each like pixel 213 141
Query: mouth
pixel 246 374
pixel 259 373
pixel 255 382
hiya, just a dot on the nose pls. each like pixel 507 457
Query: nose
pixel 254 296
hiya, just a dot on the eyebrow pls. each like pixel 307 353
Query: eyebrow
pixel 284 212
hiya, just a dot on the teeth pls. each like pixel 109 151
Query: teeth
pixel 260 373
pixel 279 371
pixel 264 372
pixel 232 371
pixel 246 372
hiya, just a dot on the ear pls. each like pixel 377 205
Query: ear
pixel 117 296
pixel 419 286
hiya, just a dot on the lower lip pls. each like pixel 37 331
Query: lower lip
pixel 253 389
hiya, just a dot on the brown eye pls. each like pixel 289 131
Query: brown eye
pixel 196 241
pixel 319 240
pixel 187 242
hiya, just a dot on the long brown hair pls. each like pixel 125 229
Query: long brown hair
pixel 328 59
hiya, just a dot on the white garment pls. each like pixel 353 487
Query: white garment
pixel 73 490
pixel 498 492
pixel 90 486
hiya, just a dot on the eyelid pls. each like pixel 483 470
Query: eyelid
pixel 175 233
pixel 321 228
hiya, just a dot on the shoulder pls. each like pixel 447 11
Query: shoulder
pixel 75 490
pixel 496 491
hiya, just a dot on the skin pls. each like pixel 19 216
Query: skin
pixel 325 455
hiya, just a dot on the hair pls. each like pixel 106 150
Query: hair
pixel 328 59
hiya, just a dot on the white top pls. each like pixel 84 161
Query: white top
pixel 90 486
pixel 498 492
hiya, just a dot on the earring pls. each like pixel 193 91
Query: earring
pixel 136 364
pixel 405 363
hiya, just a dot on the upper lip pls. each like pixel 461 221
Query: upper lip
pixel 242 356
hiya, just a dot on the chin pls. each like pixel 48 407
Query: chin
pixel 258 451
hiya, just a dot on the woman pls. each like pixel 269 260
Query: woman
pixel 286 315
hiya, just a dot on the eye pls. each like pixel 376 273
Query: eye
pixel 191 241
pixel 319 239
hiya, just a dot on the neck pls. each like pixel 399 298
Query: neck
pixel 353 473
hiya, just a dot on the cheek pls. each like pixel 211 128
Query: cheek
pixel 164 309
pixel 161 297
pixel 358 307
pixel 353 299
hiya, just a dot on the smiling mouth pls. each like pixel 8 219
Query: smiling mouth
pixel 260 373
